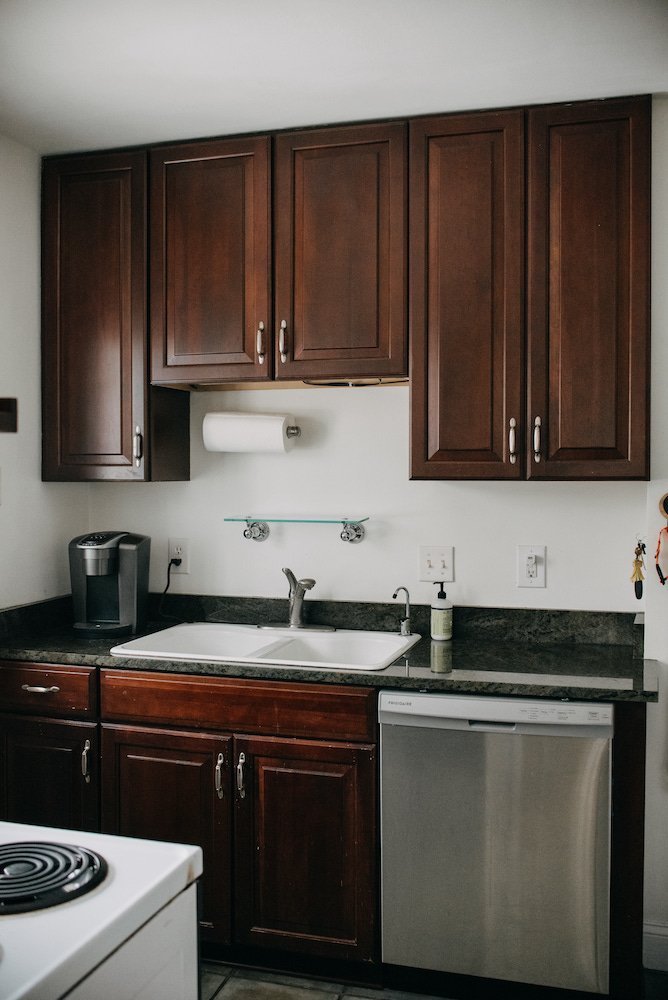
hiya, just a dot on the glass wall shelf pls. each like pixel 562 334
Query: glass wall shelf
pixel 257 528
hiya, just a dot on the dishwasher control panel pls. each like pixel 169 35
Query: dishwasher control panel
pixel 481 709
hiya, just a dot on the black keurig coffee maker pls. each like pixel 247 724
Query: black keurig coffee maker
pixel 109 573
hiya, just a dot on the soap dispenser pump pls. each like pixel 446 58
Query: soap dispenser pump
pixel 441 615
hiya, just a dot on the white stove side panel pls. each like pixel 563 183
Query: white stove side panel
pixel 159 962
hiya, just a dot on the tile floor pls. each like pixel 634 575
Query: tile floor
pixel 222 982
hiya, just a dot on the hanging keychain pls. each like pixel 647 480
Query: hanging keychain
pixel 637 576
pixel 661 554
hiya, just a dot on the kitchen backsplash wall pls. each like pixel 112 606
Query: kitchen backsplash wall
pixel 352 459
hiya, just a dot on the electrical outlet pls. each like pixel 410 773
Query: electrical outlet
pixel 531 560
pixel 179 548
pixel 436 562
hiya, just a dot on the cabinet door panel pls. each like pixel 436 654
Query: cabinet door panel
pixel 210 260
pixel 588 288
pixel 466 295
pixel 94 316
pixel 305 847
pixel 340 251
pixel 161 785
pixel 43 770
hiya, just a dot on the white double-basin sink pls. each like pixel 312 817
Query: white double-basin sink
pixel 340 649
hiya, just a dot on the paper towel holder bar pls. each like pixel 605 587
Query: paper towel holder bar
pixel 293 431
pixel 257 529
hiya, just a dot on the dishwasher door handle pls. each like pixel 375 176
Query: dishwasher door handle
pixel 492 727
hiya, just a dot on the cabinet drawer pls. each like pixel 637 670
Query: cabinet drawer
pixel 48 689
pixel 327 712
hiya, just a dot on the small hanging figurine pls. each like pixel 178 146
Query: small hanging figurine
pixel 638 565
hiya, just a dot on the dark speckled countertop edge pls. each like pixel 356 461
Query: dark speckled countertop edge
pixel 500 652
pixel 547 671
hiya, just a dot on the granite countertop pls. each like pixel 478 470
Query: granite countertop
pixel 486 666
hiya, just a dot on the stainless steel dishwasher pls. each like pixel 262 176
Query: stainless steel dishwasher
pixel 495 837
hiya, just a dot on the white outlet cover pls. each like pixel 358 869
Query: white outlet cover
pixel 524 554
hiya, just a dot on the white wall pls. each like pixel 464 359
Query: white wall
pixel 656 617
pixel 34 517
pixel 352 459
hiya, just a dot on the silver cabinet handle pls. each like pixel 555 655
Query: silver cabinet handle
pixel 35 689
pixel 138 446
pixel 512 450
pixel 219 776
pixel 240 776
pixel 259 343
pixel 536 439
pixel 84 761
pixel 282 338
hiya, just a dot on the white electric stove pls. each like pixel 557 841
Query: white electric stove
pixel 127 928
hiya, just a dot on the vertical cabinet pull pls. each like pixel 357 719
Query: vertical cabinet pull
pixel 84 761
pixel 138 446
pixel 512 443
pixel 259 343
pixel 219 776
pixel 282 341
pixel 240 776
pixel 536 439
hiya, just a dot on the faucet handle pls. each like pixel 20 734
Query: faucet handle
pixel 307 583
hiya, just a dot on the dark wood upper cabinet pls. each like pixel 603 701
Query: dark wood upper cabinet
pixel 577 407
pixel 340 252
pixel 337 305
pixel 466 274
pixel 101 420
pixel 211 261
pixel 588 290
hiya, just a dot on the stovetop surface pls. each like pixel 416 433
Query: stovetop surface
pixel 44 952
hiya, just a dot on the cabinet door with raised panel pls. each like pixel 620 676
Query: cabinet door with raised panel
pixel 305 847
pixel 340 292
pixel 211 261
pixel 101 420
pixel 174 786
pixel 466 287
pixel 588 290
pixel 50 772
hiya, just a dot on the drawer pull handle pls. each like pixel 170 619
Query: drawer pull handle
pixel 536 439
pixel 219 776
pixel 282 341
pixel 35 689
pixel 240 776
pixel 512 449
pixel 84 761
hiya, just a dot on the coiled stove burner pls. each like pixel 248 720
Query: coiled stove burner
pixel 36 874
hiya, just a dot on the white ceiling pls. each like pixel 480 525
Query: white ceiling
pixel 91 74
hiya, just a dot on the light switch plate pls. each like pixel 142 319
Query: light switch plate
pixel 436 562
pixel 531 560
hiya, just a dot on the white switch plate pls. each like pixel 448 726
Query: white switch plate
pixel 531 561
pixel 436 562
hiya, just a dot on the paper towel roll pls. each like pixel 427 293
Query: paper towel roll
pixel 247 432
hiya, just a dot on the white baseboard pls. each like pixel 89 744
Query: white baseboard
pixel 655 946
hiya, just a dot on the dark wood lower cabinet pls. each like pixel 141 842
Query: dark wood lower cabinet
pixel 301 814
pixel 174 786
pixel 50 773
pixel 305 836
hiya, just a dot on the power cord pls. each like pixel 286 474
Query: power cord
pixel 172 562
